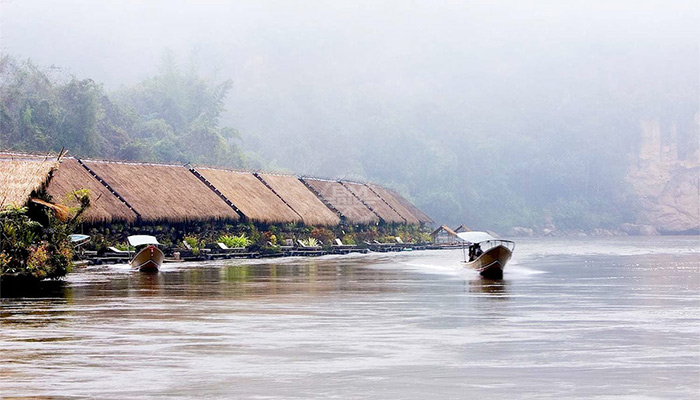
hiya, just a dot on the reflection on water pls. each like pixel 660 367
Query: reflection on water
pixel 43 289
pixel 495 288
pixel 147 284
pixel 228 280
pixel 378 326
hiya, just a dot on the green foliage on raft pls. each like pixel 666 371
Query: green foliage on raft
pixel 309 242
pixel 35 242
pixel 233 241
pixel 323 235
pixel 194 243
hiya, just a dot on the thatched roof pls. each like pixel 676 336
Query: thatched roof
pixel 249 195
pixel 461 228
pixel 163 192
pixel 340 198
pixel 104 206
pixel 20 175
pixel 395 204
pixel 301 199
pixel 155 192
pixel 417 213
pixel 444 228
pixel 374 202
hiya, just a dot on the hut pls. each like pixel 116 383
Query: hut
pixel 397 206
pixel 134 192
pixel 158 192
pixel 374 202
pixel 22 174
pixel 444 235
pixel 104 205
pixel 341 199
pixel 462 228
pixel 420 215
pixel 304 202
pixel 249 195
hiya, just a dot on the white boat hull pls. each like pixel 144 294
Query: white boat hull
pixel 148 259
pixel 491 263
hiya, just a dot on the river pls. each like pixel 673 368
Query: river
pixel 572 318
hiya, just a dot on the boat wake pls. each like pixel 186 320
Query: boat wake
pixel 514 269
pixel 454 268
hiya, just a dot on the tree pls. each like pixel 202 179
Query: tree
pixel 179 116
pixel 171 116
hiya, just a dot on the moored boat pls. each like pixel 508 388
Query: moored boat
pixel 486 254
pixel 78 240
pixel 148 256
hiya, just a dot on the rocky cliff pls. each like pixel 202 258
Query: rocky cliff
pixel 668 186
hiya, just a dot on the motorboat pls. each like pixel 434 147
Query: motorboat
pixel 77 241
pixel 485 253
pixel 149 257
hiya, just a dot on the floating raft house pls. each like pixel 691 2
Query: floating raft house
pixel 300 199
pixel 158 192
pixel 420 215
pixel 140 192
pixel 104 205
pixel 397 205
pixel 341 199
pixel 249 195
pixel 375 203
pixel 21 174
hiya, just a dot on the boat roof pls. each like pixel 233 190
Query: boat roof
pixel 140 240
pixel 475 237
pixel 74 238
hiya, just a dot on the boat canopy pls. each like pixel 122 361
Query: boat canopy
pixel 141 240
pixel 475 237
pixel 75 238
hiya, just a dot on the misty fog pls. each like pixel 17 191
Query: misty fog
pixel 491 114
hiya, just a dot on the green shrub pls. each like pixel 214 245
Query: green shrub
pixel 194 243
pixel 235 241
pixel 269 236
pixel 310 242
pixel 31 250
pixel 422 237
pixel 386 239
pixel 124 247
pixel 324 235
pixel 349 239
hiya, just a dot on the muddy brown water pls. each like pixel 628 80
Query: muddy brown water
pixel 572 318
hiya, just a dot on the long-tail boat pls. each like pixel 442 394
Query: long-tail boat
pixel 486 254
pixel 148 256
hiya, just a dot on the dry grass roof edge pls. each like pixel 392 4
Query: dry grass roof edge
pixel 226 212
pixel 374 202
pixel 104 205
pixel 250 195
pixel 163 192
pixel 343 200
pixel 301 199
pixel 20 176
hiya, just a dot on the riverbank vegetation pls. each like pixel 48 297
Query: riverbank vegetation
pixel 35 240
pixel 172 116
